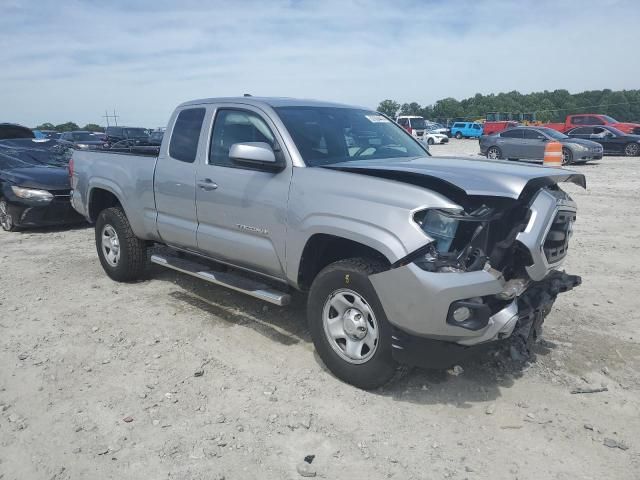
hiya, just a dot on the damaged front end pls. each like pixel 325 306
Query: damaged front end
pixel 489 270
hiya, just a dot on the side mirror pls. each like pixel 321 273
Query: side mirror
pixel 257 154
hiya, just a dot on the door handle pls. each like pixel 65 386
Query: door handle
pixel 207 184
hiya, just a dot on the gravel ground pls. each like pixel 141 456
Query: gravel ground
pixel 173 378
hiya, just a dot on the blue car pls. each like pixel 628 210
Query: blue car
pixel 466 130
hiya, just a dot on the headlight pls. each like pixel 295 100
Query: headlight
pixel 82 145
pixel 439 225
pixel 32 194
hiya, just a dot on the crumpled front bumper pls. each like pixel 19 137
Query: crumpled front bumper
pixel 419 303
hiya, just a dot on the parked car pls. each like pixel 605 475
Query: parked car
pixel 528 143
pixel 613 141
pixel 466 130
pixel 155 138
pixel 82 139
pixel 51 134
pixel 34 184
pixel 438 128
pixel 13 130
pixel 433 138
pixel 594 119
pixel 415 125
pixel 137 135
pixel 406 258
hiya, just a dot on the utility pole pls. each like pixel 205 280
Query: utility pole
pixel 114 117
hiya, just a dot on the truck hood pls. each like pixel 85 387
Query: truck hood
pixel 473 177
pixel 41 177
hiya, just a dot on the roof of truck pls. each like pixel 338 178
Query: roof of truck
pixel 270 101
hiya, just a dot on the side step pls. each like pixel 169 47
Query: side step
pixel 229 280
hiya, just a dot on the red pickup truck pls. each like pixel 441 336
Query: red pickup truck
pixel 590 119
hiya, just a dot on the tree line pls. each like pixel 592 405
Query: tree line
pixel 623 105
pixel 70 127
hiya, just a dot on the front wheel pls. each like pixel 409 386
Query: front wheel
pixel 123 256
pixel 567 156
pixel 494 153
pixel 458 135
pixel 430 141
pixel 6 219
pixel 348 325
pixel 631 149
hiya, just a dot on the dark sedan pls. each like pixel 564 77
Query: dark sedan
pixel 34 184
pixel 528 143
pixel 82 139
pixel 613 141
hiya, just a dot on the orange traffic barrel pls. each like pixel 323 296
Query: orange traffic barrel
pixel 553 154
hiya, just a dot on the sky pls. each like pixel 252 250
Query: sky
pixel 71 60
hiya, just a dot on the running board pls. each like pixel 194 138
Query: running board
pixel 225 279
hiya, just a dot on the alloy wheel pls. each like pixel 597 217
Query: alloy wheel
pixel 632 149
pixel 110 245
pixel 6 220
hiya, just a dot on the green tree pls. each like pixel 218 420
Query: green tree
pixel 412 108
pixel 67 127
pixel 389 108
pixel 46 126
pixel 93 127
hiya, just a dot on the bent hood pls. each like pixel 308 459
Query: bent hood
pixel 44 178
pixel 473 177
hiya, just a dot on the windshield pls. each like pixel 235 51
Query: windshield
pixel 327 135
pixel 135 132
pixel 418 123
pixel 553 133
pixel 84 137
pixel 26 152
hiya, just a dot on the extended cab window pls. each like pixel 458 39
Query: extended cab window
pixel 236 126
pixel 186 132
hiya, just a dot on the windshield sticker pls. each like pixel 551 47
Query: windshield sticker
pixel 377 119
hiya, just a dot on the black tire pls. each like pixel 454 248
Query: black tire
pixel 631 149
pixel 132 260
pixel 430 141
pixel 352 274
pixel 458 135
pixel 498 153
pixel 567 156
pixel 6 220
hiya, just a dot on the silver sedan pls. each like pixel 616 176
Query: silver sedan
pixel 528 143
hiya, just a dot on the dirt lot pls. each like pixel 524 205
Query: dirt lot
pixel 172 378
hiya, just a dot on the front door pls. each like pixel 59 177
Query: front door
pixel 242 210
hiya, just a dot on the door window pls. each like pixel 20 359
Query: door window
pixel 476 126
pixel 594 121
pixel 236 126
pixel 532 135
pixel 186 132
pixel 581 131
pixel 515 133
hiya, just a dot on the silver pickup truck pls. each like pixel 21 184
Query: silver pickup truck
pixel 407 259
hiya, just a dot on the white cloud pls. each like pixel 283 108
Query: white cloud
pixel 71 60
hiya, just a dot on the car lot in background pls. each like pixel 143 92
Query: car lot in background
pixel 528 143
pixel 82 139
pixel 613 141
pixel 34 184
pixel 416 126
pixel 466 130
pixel 135 134
pixel 438 128
pixel 155 137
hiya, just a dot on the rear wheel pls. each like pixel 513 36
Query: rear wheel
pixel 494 153
pixel 6 219
pixel 458 135
pixel 631 149
pixel 348 325
pixel 122 255
pixel 567 156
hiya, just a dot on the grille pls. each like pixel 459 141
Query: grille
pixel 556 244
pixel 60 193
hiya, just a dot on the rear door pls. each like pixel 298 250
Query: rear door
pixel 510 142
pixel 175 184
pixel 242 210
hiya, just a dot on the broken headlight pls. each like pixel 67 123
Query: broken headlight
pixel 441 225
pixel 32 194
